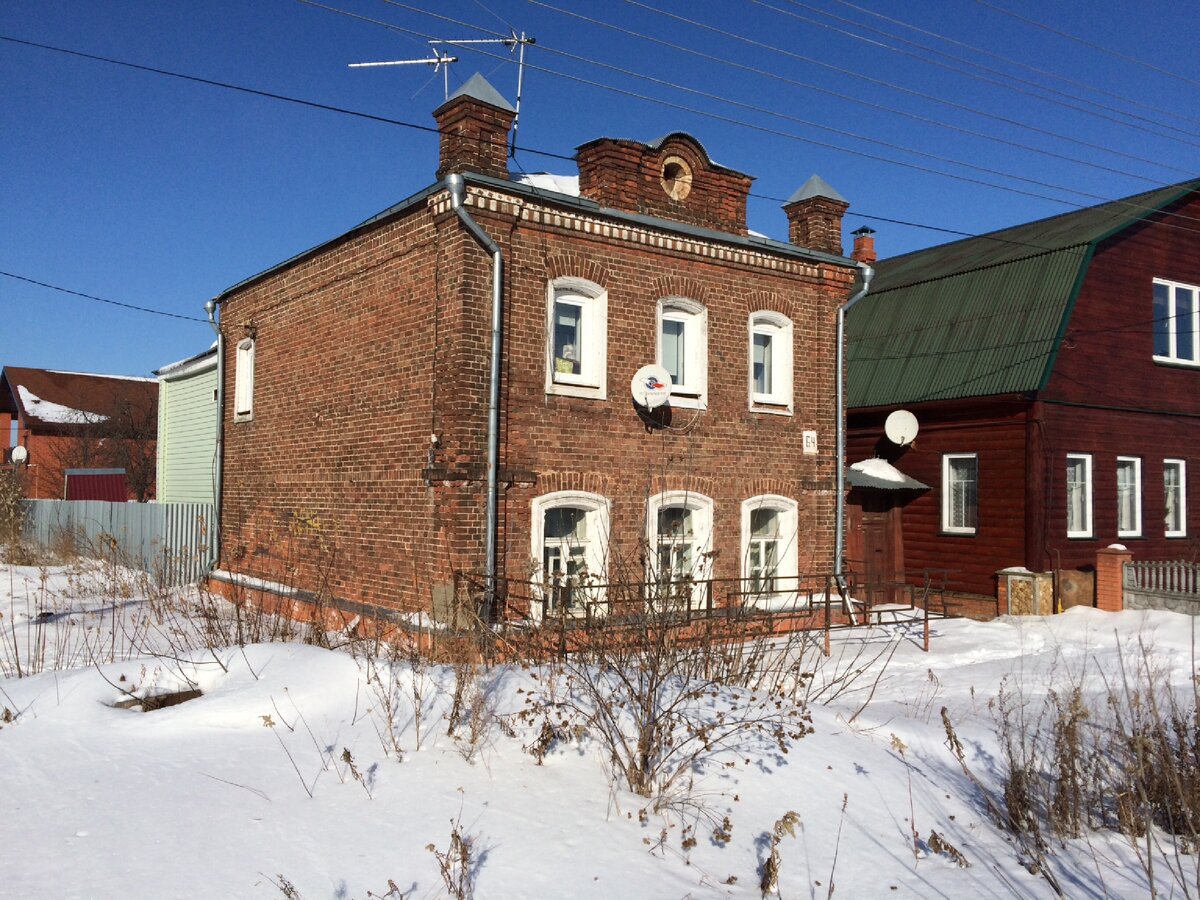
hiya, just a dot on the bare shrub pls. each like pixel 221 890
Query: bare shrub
pixel 457 863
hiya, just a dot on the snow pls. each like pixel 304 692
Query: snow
pixel 56 413
pixel 547 181
pixel 246 786
pixel 881 469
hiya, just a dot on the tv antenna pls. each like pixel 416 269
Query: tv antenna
pixel 517 42
pixel 439 60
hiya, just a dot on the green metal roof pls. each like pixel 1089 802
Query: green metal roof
pixel 979 316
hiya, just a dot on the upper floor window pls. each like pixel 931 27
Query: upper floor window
pixel 576 338
pixel 569 543
pixel 960 493
pixel 683 350
pixel 243 381
pixel 1129 496
pixel 1175 491
pixel 1176 322
pixel 679 535
pixel 1079 495
pixel 771 362
pixel 769 545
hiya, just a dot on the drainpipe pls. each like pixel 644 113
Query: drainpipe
pixel 457 188
pixel 219 462
pixel 839 537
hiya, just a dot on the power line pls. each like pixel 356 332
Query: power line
pixel 1072 37
pixel 145 309
pixel 850 98
pixel 1022 65
pixel 1141 122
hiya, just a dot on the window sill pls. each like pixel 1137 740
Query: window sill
pixel 972 532
pixel 238 418
pixel 771 409
pixel 688 402
pixel 587 392
pixel 1174 362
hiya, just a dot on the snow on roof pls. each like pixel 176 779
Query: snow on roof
pixel 547 181
pixel 54 413
pixel 880 473
pixel 98 375
pixel 192 363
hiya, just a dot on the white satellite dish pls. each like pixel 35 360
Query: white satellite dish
pixel 901 427
pixel 651 386
pixel 19 455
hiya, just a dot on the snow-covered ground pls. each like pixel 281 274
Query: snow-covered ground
pixel 304 772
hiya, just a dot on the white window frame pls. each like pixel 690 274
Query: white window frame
pixel 693 392
pixel 779 328
pixel 948 525
pixel 1181 499
pixel 592 379
pixel 701 508
pixel 597 511
pixel 243 381
pixel 787 565
pixel 1173 290
pixel 1086 531
pixel 1134 528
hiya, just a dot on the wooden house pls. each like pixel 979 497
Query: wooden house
pixel 1054 370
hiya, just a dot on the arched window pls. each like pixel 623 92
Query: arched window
pixel 243 382
pixel 770 542
pixel 771 362
pixel 569 547
pixel 683 350
pixel 679 533
pixel 576 338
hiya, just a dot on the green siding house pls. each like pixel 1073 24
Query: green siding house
pixel 187 429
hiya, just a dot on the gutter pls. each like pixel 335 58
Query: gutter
pixel 839 538
pixel 219 454
pixel 457 188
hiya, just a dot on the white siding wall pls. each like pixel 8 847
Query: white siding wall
pixel 187 437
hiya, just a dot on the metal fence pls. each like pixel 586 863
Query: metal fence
pixel 173 541
pixel 1172 584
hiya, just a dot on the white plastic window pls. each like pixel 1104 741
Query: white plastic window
pixel 569 549
pixel 1079 495
pixel 1175 497
pixel 576 338
pixel 683 350
pixel 243 383
pixel 769 546
pixel 679 558
pixel 1176 322
pixel 960 493
pixel 770 354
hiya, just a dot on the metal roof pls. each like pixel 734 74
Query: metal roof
pixel 980 316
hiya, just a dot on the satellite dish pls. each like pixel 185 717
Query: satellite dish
pixel 901 427
pixel 651 386
pixel 19 455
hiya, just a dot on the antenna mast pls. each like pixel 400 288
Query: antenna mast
pixel 514 42
pixel 442 60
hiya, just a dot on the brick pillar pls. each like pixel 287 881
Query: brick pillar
pixel 1110 577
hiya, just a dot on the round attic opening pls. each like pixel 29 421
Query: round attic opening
pixel 676 178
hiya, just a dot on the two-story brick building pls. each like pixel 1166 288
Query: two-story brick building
pixel 446 387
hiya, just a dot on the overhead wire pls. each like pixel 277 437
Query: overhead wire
pixel 984 51
pixel 145 309
pixel 1142 123
pixel 850 98
pixel 1073 37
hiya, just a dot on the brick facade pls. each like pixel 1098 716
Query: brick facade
pixel 361 476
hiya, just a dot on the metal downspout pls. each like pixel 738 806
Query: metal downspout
pixel 219 460
pixel 839 536
pixel 457 188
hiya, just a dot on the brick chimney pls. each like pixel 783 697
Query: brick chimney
pixel 672 178
pixel 474 124
pixel 815 216
pixel 864 245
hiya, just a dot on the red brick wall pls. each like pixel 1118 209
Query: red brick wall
pixel 368 347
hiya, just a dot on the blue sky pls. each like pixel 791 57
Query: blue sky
pixel 158 192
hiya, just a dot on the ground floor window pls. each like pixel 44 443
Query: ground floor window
pixel 569 550
pixel 1129 496
pixel 679 539
pixel 960 493
pixel 1079 495
pixel 769 538
pixel 1175 491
